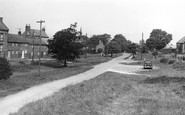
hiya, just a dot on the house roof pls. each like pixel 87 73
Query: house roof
pixel 37 33
pixel 15 38
pixel 182 40
pixel 3 27
pixel 170 46
pixel 36 42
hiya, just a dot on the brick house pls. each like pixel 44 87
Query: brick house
pixel 24 45
pixel 33 37
pixel 17 46
pixel 3 38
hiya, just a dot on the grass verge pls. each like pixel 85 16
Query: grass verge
pixel 113 93
pixel 26 76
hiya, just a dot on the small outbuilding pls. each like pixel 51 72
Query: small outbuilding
pixel 100 46
pixel 170 48
pixel 181 45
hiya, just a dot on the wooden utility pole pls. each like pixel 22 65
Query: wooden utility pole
pixel 33 46
pixel 142 47
pixel 41 21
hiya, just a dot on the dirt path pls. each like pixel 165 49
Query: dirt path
pixel 13 103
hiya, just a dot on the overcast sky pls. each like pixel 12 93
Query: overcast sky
pixel 127 17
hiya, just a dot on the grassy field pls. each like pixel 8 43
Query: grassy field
pixel 26 76
pixel 115 94
pixel 157 92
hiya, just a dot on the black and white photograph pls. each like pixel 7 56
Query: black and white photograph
pixel 92 57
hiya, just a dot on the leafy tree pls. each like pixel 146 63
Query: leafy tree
pixel 65 45
pixel 94 40
pixel 155 53
pixel 158 39
pixel 112 47
pixel 84 39
pixel 122 41
pixel 132 49
pixel 143 46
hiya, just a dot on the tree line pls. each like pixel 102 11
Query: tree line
pixel 68 44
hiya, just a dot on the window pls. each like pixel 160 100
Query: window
pixel 12 44
pixel 1 37
pixel 26 51
pixel 16 52
pixel 12 52
pixel 1 47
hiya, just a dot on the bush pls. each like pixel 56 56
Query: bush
pixel 179 66
pixel 5 68
pixel 164 60
pixel 172 61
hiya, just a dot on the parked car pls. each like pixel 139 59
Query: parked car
pixel 147 64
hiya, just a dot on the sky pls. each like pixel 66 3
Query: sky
pixel 130 18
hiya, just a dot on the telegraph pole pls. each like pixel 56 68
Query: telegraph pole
pixel 33 45
pixel 41 21
pixel 142 47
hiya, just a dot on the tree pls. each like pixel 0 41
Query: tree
pixel 112 47
pixel 5 68
pixel 158 39
pixel 94 40
pixel 65 45
pixel 84 40
pixel 132 49
pixel 122 41
pixel 143 47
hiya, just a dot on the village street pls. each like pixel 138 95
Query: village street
pixel 13 103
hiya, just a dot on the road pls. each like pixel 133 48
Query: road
pixel 13 103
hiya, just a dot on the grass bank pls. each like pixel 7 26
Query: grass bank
pixel 115 94
pixel 26 76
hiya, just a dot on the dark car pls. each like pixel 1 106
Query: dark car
pixel 147 64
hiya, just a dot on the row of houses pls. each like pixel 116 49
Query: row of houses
pixel 22 45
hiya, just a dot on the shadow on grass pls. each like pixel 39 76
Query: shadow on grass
pixel 23 67
pixel 164 80
pixel 52 63
pixel 133 63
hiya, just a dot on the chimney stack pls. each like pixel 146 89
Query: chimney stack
pixel 19 32
pixel 1 19
pixel 44 29
pixel 27 28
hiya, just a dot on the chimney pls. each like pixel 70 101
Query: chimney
pixel 27 28
pixel 19 32
pixel 1 19
pixel 43 29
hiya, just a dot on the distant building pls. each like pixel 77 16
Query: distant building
pixel 22 45
pixel 181 45
pixel 33 36
pixel 17 46
pixel 170 48
pixel 99 46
